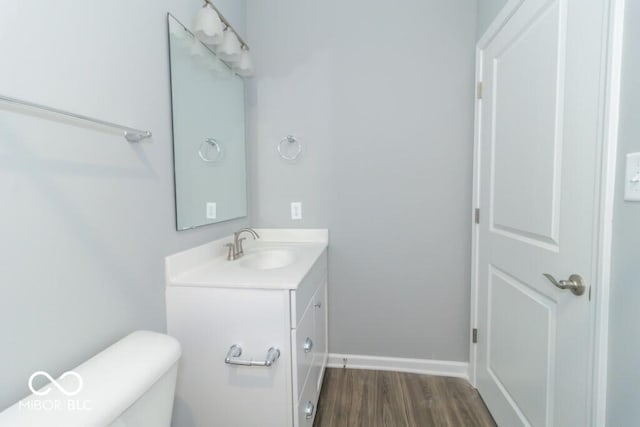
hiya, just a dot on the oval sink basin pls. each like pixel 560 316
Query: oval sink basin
pixel 267 259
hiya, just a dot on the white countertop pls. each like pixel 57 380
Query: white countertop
pixel 207 265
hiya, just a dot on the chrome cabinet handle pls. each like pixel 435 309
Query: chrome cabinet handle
pixel 308 345
pixel 575 283
pixel 308 410
pixel 235 350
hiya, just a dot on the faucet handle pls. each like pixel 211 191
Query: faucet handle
pixel 232 251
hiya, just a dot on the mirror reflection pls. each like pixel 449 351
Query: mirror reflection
pixel 208 133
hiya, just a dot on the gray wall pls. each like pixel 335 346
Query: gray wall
pixel 487 11
pixel 624 334
pixel 86 217
pixel 382 98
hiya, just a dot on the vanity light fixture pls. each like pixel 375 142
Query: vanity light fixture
pixel 244 66
pixel 214 30
pixel 230 49
pixel 208 27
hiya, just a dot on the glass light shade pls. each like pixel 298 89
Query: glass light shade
pixel 208 27
pixel 218 68
pixel 180 34
pixel 230 49
pixel 198 50
pixel 244 66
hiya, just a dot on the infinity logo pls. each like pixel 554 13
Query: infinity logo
pixel 55 383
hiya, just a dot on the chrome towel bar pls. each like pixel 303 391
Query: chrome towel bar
pixel 130 134
pixel 235 350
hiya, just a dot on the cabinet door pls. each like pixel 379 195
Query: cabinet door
pixel 320 324
pixel 207 321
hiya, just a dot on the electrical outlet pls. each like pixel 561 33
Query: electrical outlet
pixel 212 210
pixel 296 210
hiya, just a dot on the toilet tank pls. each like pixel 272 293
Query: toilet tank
pixel 131 384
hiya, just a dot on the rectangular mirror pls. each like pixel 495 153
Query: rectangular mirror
pixel 207 100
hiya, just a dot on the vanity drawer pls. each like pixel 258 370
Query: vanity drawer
pixel 304 349
pixel 301 297
pixel 319 308
pixel 307 405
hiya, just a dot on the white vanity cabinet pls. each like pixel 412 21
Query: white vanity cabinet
pixel 208 319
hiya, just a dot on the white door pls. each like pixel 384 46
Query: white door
pixel 540 122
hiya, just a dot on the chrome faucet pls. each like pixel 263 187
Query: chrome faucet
pixel 235 248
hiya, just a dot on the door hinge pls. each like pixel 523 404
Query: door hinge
pixel 474 336
pixel 479 90
pixel 476 215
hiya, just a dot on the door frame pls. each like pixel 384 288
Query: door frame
pixel 613 33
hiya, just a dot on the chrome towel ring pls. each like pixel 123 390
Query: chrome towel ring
pixel 210 150
pixel 290 148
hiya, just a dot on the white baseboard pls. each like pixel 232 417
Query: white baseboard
pixel 442 368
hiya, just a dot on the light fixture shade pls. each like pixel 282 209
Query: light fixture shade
pixel 219 68
pixel 198 50
pixel 208 27
pixel 180 34
pixel 244 66
pixel 230 49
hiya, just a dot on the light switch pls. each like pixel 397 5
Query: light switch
pixel 212 210
pixel 296 210
pixel 632 178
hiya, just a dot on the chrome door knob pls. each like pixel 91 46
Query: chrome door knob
pixel 575 283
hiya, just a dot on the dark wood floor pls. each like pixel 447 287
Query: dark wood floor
pixel 352 397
